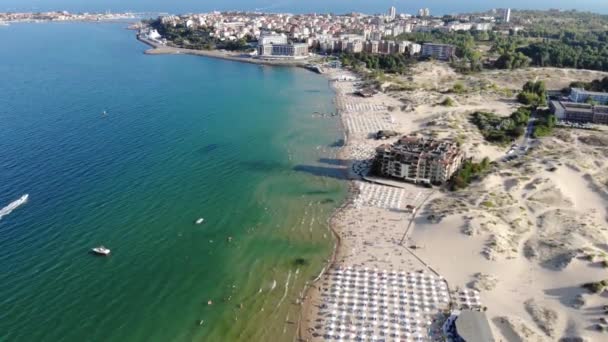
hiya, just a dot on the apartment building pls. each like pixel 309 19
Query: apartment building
pixel 419 160
pixel 438 51
pixel 579 112
pixel 581 95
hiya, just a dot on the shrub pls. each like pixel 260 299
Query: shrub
pixel 596 287
pixel 499 129
pixel 533 94
pixel 448 102
pixel 468 172
pixel 458 88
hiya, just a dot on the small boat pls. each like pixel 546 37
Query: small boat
pixel 199 221
pixel 101 250
pixel 104 113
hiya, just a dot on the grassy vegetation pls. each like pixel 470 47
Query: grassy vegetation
pixel 553 24
pixel 394 63
pixel 197 38
pixel 570 39
pixel 458 88
pixel 447 102
pixel 400 87
pixel 460 139
pixel 509 57
pixel 533 94
pixel 595 85
pixel 488 204
pixel 502 130
pixel 544 124
pixel 574 50
pixel 596 287
pixel 469 172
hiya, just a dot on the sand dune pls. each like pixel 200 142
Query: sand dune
pixel 527 236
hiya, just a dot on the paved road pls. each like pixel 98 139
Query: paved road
pixel 522 144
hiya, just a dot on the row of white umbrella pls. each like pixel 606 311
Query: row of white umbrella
pixel 396 287
pixel 404 280
pixel 380 305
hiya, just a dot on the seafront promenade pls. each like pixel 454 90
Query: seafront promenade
pixel 159 49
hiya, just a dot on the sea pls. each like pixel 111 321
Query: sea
pixel 117 148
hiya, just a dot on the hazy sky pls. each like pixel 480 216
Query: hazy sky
pixel 337 6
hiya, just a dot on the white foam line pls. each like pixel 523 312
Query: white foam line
pixel 286 289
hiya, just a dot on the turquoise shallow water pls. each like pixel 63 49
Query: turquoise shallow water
pixel 184 137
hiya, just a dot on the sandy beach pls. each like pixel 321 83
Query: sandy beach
pixel 522 241
pixel 518 244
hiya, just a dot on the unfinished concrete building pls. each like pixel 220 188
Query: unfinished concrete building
pixel 419 160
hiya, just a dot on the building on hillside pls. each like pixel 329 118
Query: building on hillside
pixel 483 26
pixel 392 13
pixel 414 48
pixel 458 26
pixel 277 46
pixel 424 12
pixel 290 50
pixel 328 45
pixel 419 160
pixel 579 95
pixel 371 47
pixel 354 46
pixel 438 51
pixel 268 38
pixel 375 35
pixel 386 47
pixel 579 112
pixel 506 15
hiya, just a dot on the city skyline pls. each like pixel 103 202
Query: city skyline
pixel 437 7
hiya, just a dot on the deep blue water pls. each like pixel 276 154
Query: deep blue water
pixel 184 137
pixel 296 6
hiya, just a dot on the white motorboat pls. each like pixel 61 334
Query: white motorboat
pixel 101 250
pixel 199 221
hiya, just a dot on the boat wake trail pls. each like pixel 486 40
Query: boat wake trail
pixel 13 205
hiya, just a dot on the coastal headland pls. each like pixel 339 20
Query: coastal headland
pixel 159 49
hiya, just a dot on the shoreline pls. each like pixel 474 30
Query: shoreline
pixel 310 287
pixel 371 233
pixel 311 291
